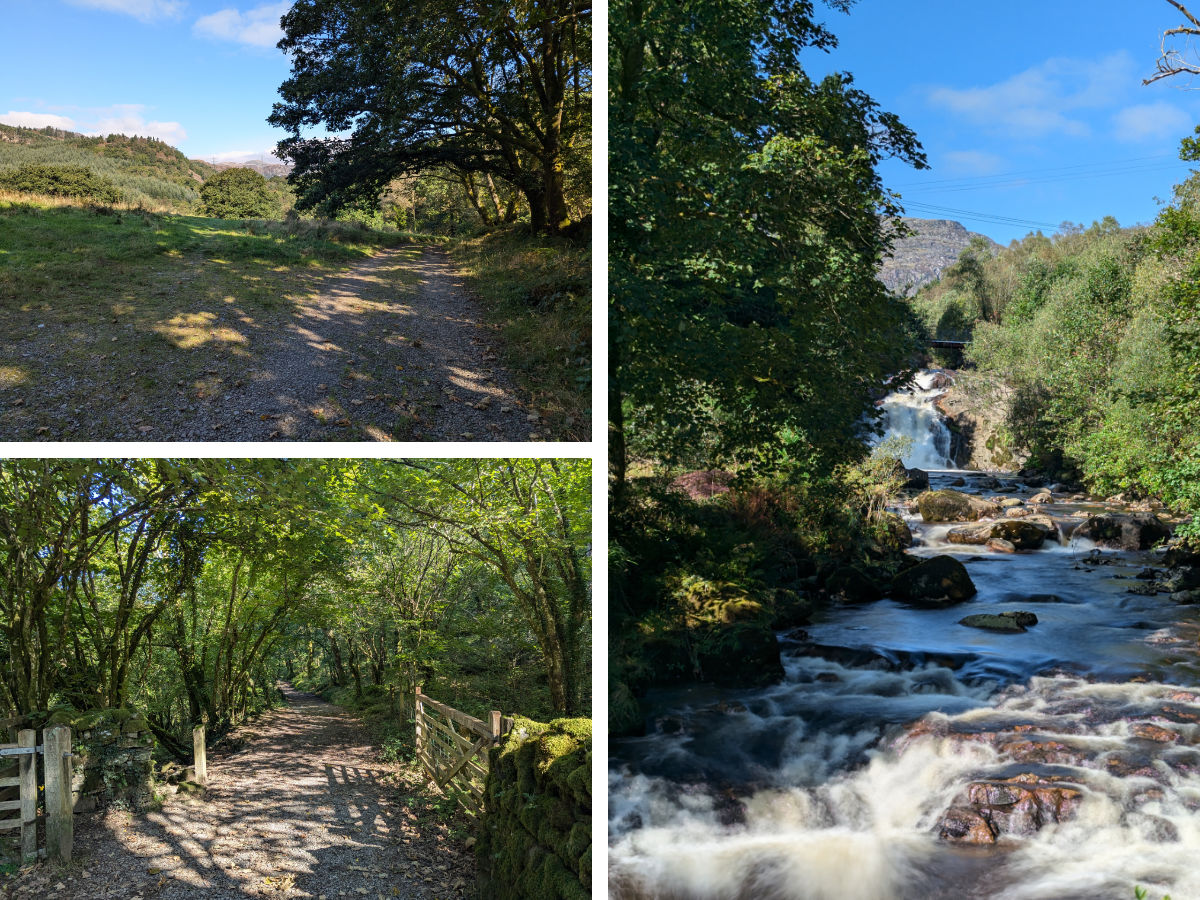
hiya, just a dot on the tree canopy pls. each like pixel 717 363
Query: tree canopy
pixel 187 587
pixel 747 224
pixel 239 194
pixel 478 88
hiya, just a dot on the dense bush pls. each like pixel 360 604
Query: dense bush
pixel 239 194
pixel 60 181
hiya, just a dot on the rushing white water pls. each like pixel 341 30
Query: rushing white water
pixel 912 415
pixel 838 782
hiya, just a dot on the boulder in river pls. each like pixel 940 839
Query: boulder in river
pixel 896 535
pixel 999 545
pixel 851 585
pixel 1126 532
pixel 954 506
pixel 1019 806
pixel 938 582
pixel 1021 533
pixel 915 480
pixel 1014 622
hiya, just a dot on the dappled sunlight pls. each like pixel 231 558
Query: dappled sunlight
pixel 190 330
pixel 12 376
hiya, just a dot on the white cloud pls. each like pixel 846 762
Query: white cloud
pixel 128 119
pixel 258 27
pixel 145 10
pixel 1045 99
pixel 972 162
pixel 1152 121
pixel 36 120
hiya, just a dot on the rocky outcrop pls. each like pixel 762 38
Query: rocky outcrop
pixel 1124 532
pixel 975 414
pixel 937 582
pixel 954 506
pixel 920 258
pixel 1018 806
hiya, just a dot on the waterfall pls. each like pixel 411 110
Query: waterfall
pixel 912 414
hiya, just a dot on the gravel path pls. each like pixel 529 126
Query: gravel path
pixel 301 810
pixel 395 349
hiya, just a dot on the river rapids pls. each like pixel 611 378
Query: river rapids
pixel 863 773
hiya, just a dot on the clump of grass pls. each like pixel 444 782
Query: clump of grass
pixel 537 290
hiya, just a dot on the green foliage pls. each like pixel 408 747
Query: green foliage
pixel 59 181
pixel 239 194
pixel 747 223
pixel 462 95
pixel 144 171
pixel 537 289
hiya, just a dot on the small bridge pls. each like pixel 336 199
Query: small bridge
pixel 946 345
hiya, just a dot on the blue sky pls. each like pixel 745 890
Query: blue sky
pixel 1027 110
pixel 199 74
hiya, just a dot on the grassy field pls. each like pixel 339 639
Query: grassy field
pixel 164 306
pixel 538 292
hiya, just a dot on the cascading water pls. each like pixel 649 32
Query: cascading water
pixel 912 415
pixel 906 756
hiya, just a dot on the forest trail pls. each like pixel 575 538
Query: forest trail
pixel 394 349
pixel 301 809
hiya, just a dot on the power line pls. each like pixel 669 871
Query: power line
pixel 971 215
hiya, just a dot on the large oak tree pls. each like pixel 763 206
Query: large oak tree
pixel 474 87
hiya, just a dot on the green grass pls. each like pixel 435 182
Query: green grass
pixel 537 291
pixel 89 295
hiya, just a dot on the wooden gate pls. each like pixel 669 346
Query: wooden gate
pixel 453 746
pixel 55 751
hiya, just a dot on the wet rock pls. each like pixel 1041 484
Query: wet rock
pixel 963 825
pixel 1186 598
pixel 954 506
pixel 1011 502
pixel 938 582
pixel 1181 554
pixel 1021 533
pixel 851 585
pixel 958 482
pixel 1042 497
pixel 1044 598
pixel 1148 731
pixel 1013 622
pixel 1000 545
pixel 916 480
pixel 989 483
pixel 1127 532
pixel 1018 806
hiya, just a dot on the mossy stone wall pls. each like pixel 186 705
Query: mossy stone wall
pixel 535 838
pixel 112 755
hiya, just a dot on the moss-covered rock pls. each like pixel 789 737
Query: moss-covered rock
pixel 954 506
pixel 851 585
pixel 938 581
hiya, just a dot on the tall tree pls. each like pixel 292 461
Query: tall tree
pixel 477 87
pixel 747 225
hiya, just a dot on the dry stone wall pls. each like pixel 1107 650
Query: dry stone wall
pixel 535 837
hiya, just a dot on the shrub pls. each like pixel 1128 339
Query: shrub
pixel 239 194
pixel 60 181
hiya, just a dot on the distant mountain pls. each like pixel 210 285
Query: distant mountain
pixel 266 169
pixel 922 257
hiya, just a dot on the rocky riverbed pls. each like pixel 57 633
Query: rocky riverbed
pixel 1015 715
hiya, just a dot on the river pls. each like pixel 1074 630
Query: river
pixel 841 782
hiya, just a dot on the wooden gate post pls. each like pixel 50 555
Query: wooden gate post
pixel 29 794
pixel 418 711
pixel 199 755
pixel 495 723
pixel 56 742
